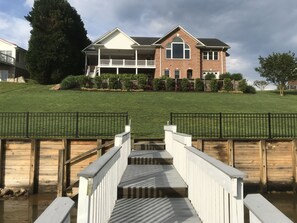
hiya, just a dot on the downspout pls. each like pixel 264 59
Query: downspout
pixel 160 61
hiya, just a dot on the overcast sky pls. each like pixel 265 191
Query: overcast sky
pixel 251 27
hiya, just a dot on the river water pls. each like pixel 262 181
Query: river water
pixel 26 210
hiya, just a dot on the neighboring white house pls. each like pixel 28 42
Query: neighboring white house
pixel 12 61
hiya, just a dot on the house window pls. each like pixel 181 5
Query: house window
pixel 17 56
pixel 177 49
pixel 189 74
pixel 166 73
pixel 176 74
pixel 210 55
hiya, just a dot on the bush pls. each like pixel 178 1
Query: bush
pixel 157 84
pixel 214 87
pixel 224 76
pixel 199 85
pixel 128 83
pixel 185 84
pixel 142 81
pixel 114 83
pixel 250 90
pixel 228 86
pixel 210 76
pixel 98 82
pixel 170 84
pixel 242 85
pixel 69 82
pixel 236 76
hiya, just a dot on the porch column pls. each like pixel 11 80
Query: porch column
pixel 99 57
pixel 136 61
pixel 117 70
pixel 86 63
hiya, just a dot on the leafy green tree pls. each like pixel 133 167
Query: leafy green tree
pixel 279 69
pixel 236 76
pixel 261 84
pixel 225 75
pixel 210 76
pixel 57 38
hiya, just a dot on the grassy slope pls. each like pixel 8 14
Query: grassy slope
pixel 149 111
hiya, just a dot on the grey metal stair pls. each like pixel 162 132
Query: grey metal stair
pixel 150 157
pixel 147 145
pixel 151 181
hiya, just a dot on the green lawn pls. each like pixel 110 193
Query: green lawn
pixel 149 111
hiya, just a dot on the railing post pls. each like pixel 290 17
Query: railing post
pixel 269 125
pixel 76 126
pixel 221 134
pixel 171 118
pixel 27 124
pixel 2 162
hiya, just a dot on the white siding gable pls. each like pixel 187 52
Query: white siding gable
pixel 118 40
pixel 5 46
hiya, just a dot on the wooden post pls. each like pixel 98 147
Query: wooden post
pixel 294 164
pixel 34 166
pixel 67 168
pixel 2 162
pixel 61 164
pixel 230 147
pixel 99 148
pixel 199 144
pixel 263 167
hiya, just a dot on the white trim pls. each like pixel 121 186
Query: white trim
pixel 179 27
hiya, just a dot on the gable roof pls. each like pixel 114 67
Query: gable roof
pixel 173 30
pixel 145 40
pixel 213 42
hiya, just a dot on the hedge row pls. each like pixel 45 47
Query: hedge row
pixel 140 81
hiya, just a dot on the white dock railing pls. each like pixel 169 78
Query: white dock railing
pixel 262 211
pixel 98 182
pixel 57 212
pixel 215 189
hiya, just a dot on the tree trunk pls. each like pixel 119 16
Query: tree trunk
pixel 281 90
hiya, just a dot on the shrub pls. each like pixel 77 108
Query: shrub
pixel 242 85
pixel 69 82
pixel 185 84
pixel 199 85
pixel 128 83
pixel 114 83
pixel 224 76
pixel 157 84
pixel 236 76
pixel 98 82
pixel 228 86
pixel 170 84
pixel 83 81
pixel 250 90
pixel 214 85
pixel 142 81
pixel 210 76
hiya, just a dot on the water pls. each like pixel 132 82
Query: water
pixel 24 210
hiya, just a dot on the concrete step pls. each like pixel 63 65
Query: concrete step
pixel 154 210
pixel 150 157
pixel 151 181
pixel 149 145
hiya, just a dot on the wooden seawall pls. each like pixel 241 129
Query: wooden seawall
pixel 34 163
pixel 269 164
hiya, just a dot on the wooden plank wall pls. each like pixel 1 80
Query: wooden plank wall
pixel 270 164
pixel 33 164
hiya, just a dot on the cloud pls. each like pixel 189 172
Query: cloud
pixel 29 3
pixel 14 29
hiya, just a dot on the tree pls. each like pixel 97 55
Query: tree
pixel 278 68
pixel 236 76
pixel 261 84
pixel 57 38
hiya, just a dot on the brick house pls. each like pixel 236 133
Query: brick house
pixel 178 54
pixel 12 61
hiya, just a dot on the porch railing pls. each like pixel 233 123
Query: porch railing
pixel 215 189
pixel 127 63
pixel 7 59
pixel 98 182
